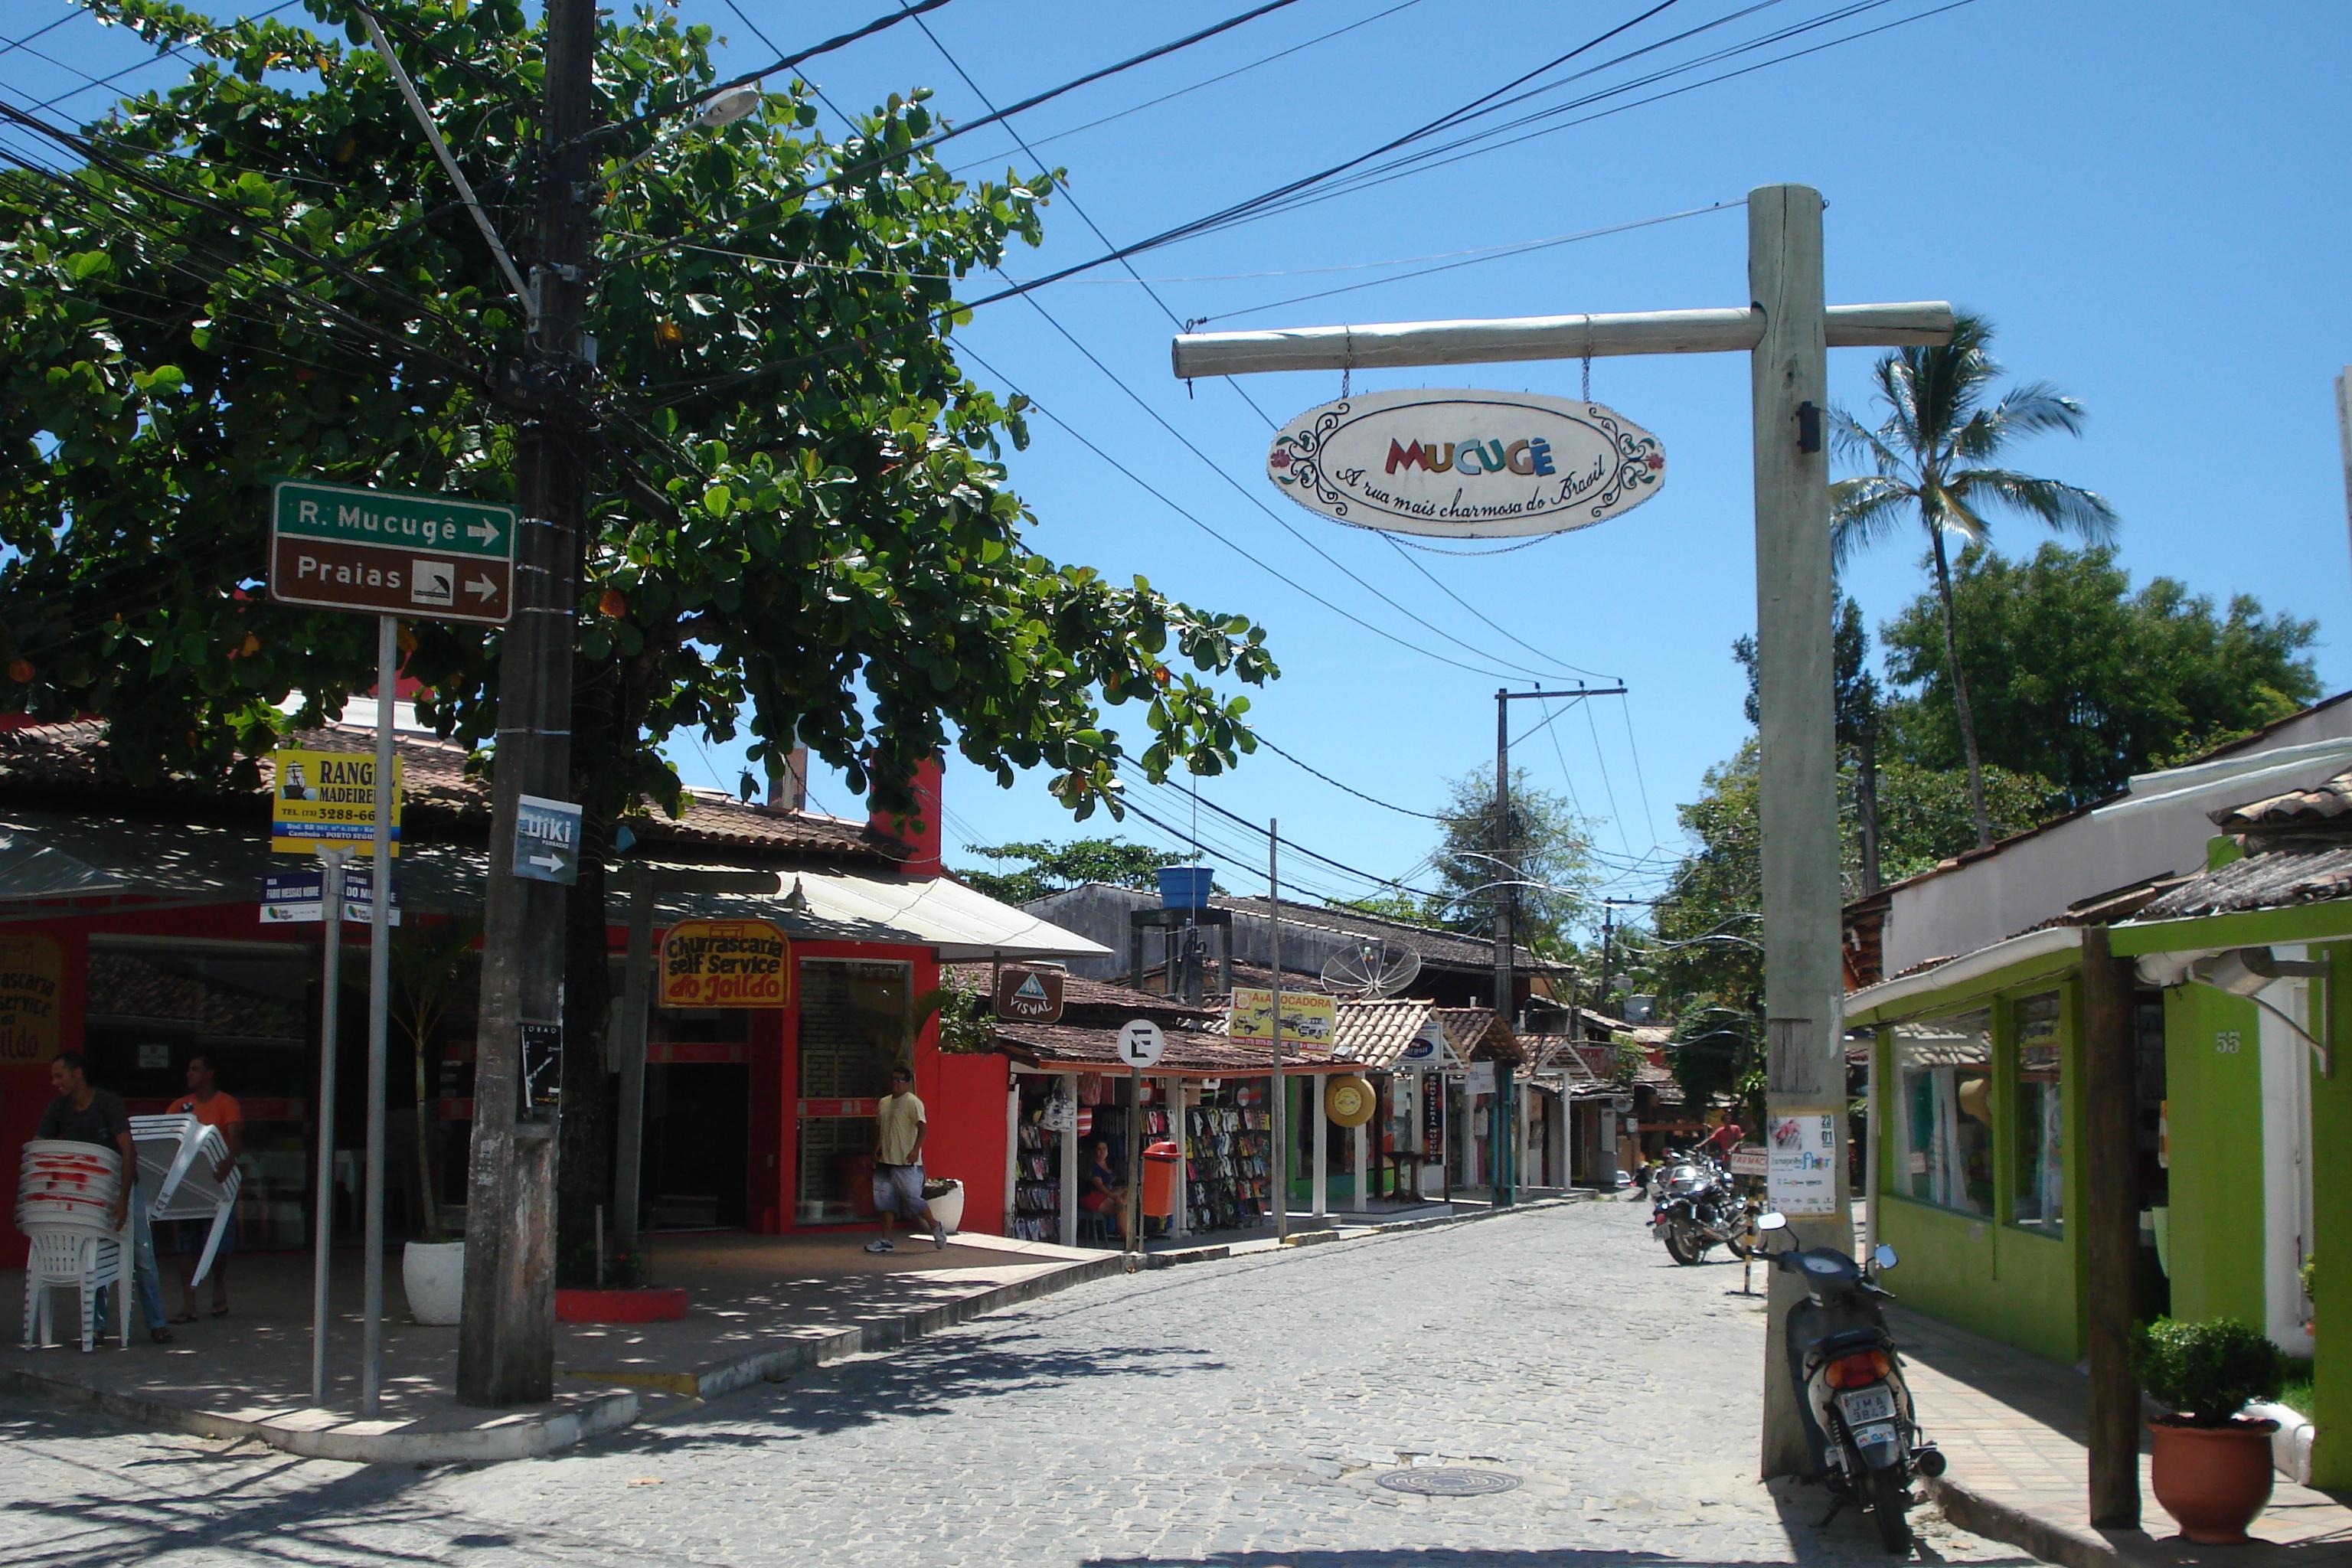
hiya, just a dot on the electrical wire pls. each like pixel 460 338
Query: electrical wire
pixel 1346 788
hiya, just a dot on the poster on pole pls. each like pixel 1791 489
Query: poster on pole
pixel 322 799
pixel 1800 1159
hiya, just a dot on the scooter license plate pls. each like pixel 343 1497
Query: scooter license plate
pixel 1867 1404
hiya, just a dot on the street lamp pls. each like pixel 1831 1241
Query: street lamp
pixel 734 104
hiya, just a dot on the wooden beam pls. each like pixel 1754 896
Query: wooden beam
pixel 2111 1229
pixel 1392 344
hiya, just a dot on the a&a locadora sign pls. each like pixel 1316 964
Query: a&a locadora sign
pixel 1466 465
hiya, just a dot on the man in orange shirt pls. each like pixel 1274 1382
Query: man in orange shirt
pixel 208 1104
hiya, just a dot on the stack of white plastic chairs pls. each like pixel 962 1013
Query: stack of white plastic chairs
pixel 65 1192
pixel 177 1156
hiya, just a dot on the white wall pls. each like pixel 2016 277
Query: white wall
pixel 2162 828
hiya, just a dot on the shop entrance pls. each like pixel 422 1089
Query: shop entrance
pixel 696 1141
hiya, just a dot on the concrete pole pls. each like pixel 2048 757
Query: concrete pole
pixel 1278 1166
pixel 1181 1222
pixel 1070 1164
pixel 1798 781
pixel 387 670
pixel 322 1196
pixel 1322 1147
pixel 1363 1149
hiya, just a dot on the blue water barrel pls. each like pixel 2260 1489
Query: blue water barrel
pixel 1184 886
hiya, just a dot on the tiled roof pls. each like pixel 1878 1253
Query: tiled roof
pixel 435 773
pixel 1559 1052
pixel 1376 1033
pixel 1080 995
pixel 1190 1051
pixel 2322 805
pixel 1475 1032
pixel 2271 880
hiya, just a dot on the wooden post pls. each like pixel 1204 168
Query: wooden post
pixel 2111 1229
pixel 636 1002
pixel 1795 595
pixel 1179 1223
pixel 1322 1122
pixel 1361 1150
pixel 1070 1164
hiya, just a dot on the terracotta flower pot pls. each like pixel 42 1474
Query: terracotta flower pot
pixel 2213 1479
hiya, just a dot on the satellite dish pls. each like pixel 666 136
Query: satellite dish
pixel 1371 970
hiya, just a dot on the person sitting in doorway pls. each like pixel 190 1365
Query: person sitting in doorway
pixel 208 1104
pixel 1106 1193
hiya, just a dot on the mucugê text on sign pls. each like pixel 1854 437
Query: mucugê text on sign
pixel 725 964
pixel 1466 465
pixel 335 547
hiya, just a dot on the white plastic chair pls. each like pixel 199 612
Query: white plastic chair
pixel 75 1261
pixel 63 1193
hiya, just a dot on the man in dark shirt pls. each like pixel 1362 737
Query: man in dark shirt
pixel 85 1114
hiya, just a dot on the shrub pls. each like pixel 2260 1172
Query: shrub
pixel 2205 1373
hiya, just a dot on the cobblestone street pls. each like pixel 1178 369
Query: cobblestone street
pixel 1233 1414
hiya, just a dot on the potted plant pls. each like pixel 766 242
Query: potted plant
pixel 2211 1467
pixel 429 965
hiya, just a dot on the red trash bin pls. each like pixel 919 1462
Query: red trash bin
pixel 1160 1179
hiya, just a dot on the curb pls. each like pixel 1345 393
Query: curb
pixel 524 1438
pixel 1973 1510
pixel 1330 1233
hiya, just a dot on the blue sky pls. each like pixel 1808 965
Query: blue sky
pixel 2146 197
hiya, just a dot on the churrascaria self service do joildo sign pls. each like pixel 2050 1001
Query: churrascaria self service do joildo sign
pixel 1466 465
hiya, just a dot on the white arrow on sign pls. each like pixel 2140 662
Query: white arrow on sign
pixel 552 862
pixel 488 532
pixel 483 585
pixel 1141 1042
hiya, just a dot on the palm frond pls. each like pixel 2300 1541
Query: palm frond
pixel 1857 443
pixel 1943 507
pixel 1863 512
pixel 2037 407
pixel 2065 509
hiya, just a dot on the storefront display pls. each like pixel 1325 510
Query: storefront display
pixel 1226 1168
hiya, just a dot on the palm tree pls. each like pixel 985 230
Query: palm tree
pixel 1923 458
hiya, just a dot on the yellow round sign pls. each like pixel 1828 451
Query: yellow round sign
pixel 1349 1101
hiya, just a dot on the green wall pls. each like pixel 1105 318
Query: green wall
pixel 1976 1271
pixel 2331 1239
pixel 2214 1118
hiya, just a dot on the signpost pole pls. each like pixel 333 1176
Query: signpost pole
pixel 1278 1161
pixel 629 1145
pixel 323 1191
pixel 1135 1153
pixel 387 660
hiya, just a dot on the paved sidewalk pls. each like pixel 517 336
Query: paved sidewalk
pixel 761 1308
pixel 2013 1427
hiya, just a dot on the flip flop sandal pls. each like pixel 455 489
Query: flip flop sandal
pixel 182 1317
pixel 159 1335
pixel 217 1313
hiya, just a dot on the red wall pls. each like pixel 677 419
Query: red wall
pixel 966 1109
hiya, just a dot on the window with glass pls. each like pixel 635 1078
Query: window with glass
pixel 856 1021
pixel 2039 1201
pixel 1944 1101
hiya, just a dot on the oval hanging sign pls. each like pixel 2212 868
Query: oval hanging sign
pixel 1466 465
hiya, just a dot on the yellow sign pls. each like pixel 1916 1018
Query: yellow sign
pixel 1349 1101
pixel 1308 1016
pixel 725 964
pixel 321 800
pixel 32 978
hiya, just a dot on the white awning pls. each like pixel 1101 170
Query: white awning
pixel 960 924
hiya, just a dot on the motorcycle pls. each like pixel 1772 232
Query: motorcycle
pixel 1849 1383
pixel 1697 1211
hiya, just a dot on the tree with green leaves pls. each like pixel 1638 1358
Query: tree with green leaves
pixel 1051 867
pixel 1928 461
pixel 800 526
pixel 2075 677
pixel 1547 856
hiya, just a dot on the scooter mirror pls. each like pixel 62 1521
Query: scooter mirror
pixel 1883 1255
pixel 1771 1222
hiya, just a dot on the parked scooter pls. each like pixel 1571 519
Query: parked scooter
pixel 1849 1383
pixel 1696 1210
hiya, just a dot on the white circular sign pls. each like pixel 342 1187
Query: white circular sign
pixel 1467 465
pixel 1141 1042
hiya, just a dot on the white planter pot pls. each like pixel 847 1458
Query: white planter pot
pixel 947 1207
pixel 434 1275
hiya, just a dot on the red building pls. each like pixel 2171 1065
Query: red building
pixel 133 927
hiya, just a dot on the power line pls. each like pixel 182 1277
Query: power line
pixel 1348 788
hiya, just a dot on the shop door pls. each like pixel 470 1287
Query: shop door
pixel 696 1141
pixel 856 1021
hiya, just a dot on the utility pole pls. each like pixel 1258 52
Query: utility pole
pixel 1278 1167
pixel 505 1340
pixel 1785 327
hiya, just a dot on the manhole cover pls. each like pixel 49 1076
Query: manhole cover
pixel 1448 1481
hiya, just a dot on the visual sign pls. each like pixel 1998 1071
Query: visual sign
pixel 1800 1160
pixel 1141 1042
pixel 299 898
pixel 32 984
pixel 1466 465
pixel 334 547
pixel 326 799
pixel 725 964
pixel 1308 1016
pixel 1029 995
pixel 547 840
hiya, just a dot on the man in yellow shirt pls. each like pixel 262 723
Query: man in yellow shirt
pixel 898 1129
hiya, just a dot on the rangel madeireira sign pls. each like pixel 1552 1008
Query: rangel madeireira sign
pixel 1466 465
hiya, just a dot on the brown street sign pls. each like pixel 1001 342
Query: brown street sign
pixel 1029 995
pixel 428 557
